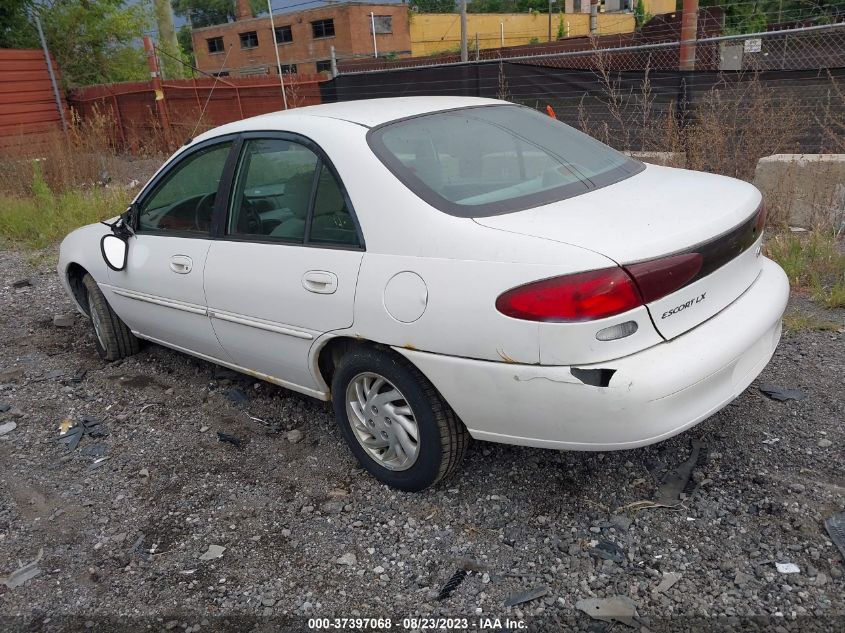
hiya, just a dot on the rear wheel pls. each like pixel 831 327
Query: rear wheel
pixel 112 338
pixel 394 420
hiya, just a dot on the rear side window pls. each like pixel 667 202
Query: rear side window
pixel 489 160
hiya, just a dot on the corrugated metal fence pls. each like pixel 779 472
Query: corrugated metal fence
pixel 28 109
pixel 191 105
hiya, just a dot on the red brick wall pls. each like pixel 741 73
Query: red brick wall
pixel 353 37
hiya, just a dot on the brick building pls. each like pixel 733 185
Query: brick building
pixel 304 38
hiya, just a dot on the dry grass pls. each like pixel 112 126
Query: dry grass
pixel 814 263
pixel 795 321
pixel 44 217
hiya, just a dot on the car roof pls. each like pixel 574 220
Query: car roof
pixel 365 112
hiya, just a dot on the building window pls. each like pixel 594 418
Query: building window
pixel 288 69
pixel 284 34
pixel 323 28
pixel 383 24
pixel 249 39
pixel 215 44
pixel 324 66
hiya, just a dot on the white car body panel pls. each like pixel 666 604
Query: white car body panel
pixel 263 315
pixel 654 394
pixel 426 285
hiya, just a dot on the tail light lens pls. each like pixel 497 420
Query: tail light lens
pixel 580 297
pixel 760 224
pixel 660 277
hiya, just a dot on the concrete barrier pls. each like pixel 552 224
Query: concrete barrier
pixel 803 190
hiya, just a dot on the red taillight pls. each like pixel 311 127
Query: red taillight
pixel 580 297
pixel 659 277
pixel 760 224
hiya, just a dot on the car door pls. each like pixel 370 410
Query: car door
pixel 160 293
pixel 284 267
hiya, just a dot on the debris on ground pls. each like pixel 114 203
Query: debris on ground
pixel 23 573
pixel 77 377
pixel 453 583
pixel 236 395
pixel 295 436
pixel 63 320
pixel 347 559
pixel 11 374
pixel 7 427
pixel 788 568
pixel 614 609
pixel 214 551
pixel 669 580
pixel 607 550
pixel 781 395
pixel 21 283
pixel 679 480
pixel 835 527
pixel 229 439
pixel 70 432
pixel 526 596
pixel 97 463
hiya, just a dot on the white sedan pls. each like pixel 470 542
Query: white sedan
pixel 440 269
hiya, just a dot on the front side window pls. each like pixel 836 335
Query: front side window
pixel 184 200
pixel 322 28
pixel 249 39
pixel 284 34
pixel 215 44
pixel 488 160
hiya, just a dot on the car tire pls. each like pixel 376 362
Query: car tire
pixel 112 338
pixel 441 440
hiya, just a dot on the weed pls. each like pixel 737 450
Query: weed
pixel 803 322
pixel 814 262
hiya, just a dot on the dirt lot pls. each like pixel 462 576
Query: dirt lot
pixel 118 543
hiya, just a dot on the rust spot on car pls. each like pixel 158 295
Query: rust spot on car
pixel 410 346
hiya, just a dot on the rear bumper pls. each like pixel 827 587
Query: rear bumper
pixel 653 394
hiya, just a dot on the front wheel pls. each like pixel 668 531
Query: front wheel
pixel 394 420
pixel 112 338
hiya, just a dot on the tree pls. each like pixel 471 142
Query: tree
pixel 93 41
pixel 434 6
pixel 209 12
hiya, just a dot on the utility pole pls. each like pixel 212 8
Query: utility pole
pixel 550 19
pixel 464 53
pixel 155 80
pixel 594 16
pixel 689 33
pixel 278 60
pixel 56 94
pixel 167 35
pixel 373 26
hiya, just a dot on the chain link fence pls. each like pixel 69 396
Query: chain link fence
pixel 811 47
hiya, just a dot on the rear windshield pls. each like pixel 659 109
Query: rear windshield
pixel 490 160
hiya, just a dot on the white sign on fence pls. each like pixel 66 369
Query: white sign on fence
pixel 753 45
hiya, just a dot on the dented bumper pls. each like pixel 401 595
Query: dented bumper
pixel 650 396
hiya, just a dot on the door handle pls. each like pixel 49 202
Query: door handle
pixel 320 281
pixel 181 264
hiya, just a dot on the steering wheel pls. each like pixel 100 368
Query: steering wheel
pixel 199 220
pixel 249 221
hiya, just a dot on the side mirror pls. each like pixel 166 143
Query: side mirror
pixel 114 250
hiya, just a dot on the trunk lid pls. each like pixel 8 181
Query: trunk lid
pixel 659 212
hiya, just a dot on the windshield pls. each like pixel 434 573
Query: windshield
pixel 489 160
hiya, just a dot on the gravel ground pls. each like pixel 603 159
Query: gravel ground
pixel 119 543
